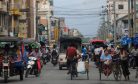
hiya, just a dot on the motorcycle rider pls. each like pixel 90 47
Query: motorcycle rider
pixel 54 52
pixel 36 53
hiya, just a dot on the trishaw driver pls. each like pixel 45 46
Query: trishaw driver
pixel 106 59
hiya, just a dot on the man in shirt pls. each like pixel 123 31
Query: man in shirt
pixel 84 53
pixel 71 54
pixel 106 59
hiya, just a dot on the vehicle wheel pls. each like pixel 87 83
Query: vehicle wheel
pixel 60 68
pixel 6 76
pixel 115 75
pixel 71 73
pixel 137 73
pixel 27 72
pixel 87 72
pixel 36 73
pixel 21 75
pixel 100 71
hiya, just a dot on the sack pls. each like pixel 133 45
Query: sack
pixel 81 67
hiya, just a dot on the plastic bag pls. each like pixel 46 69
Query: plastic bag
pixel 81 67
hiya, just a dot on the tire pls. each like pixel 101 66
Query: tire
pixel 136 73
pixel 60 68
pixel 71 73
pixel 115 75
pixel 100 72
pixel 5 76
pixel 21 75
pixel 87 72
pixel 36 73
pixel 27 72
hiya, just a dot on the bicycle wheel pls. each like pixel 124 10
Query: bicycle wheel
pixel 117 72
pixel 137 72
pixel 87 72
pixel 71 73
pixel 100 71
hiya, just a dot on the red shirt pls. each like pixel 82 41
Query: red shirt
pixel 71 52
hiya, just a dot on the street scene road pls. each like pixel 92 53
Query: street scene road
pixel 98 39
pixel 52 75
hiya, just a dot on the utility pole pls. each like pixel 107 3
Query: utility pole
pixel 129 18
pixel 134 17
pixel 114 9
pixel 37 1
pixel 132 26
pixel 49 23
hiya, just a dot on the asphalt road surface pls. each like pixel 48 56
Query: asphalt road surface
pixel 52 75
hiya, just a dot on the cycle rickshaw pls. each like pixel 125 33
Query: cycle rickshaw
pixel 115 69
pixel 74 71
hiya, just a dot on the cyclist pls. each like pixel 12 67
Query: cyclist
pixel 71 55
pixel 84 53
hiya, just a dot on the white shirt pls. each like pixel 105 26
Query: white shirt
pixel 97 51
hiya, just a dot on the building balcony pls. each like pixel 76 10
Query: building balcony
pixel 16 13
pixel 3 6
pixel 15 9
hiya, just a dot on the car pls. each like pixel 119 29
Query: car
pixel 62 60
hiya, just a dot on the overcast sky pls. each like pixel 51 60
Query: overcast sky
pixel 80 14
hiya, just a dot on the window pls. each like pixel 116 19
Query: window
pixel 120 6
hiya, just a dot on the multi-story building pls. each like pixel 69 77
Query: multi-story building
pixel 117 8
pixel 45 12
pixel 4 15
pixel 18 18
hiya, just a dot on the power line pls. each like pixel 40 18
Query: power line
pixel 75 9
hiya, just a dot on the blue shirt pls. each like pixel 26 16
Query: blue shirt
pixel 84 51
pixel 103 57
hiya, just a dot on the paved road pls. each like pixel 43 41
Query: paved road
pixel 51 75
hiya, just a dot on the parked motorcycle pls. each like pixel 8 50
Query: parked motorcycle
pixel 32 67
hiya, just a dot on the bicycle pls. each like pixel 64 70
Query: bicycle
pixel 73 69
pixel 117 69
